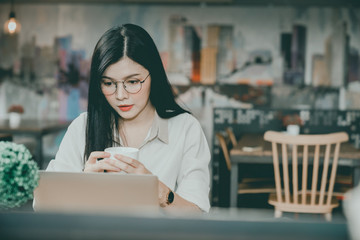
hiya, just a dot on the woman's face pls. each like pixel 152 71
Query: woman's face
pixel 129 106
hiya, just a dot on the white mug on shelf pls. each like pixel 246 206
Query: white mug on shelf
pixel 14 119
pixel 293 129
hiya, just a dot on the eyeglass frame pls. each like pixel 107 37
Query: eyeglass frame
pixel 116 86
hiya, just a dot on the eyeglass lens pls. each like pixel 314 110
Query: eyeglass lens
pixel 131 86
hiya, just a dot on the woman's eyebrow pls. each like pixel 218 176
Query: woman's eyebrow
pixel 129 76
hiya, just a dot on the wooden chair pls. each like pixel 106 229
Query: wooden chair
pixel 247 185
pixel 293 198
pixel 232 137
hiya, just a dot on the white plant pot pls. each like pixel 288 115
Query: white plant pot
pixel 14 119
pixel 293 130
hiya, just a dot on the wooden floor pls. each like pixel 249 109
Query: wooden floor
pixel 255 207
pixel 261 214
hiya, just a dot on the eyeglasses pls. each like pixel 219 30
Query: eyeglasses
pixel 109 87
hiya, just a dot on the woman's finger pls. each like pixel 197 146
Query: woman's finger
pixel 131 165
pixel 100 166
pixel 117 163
pixel 104 165
pixel 95 155
pixel 128 160
pixel 123 166
pixel 92 164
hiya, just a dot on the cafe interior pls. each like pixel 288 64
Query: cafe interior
pixel 275 85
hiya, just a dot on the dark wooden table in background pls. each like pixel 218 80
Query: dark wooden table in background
pixel 5 137
pixel 36 129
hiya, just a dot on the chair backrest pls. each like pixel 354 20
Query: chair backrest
pixel 315 148
pixel 231 135
pixel 225 149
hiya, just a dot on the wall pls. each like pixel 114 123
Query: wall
pixel 53 35
pixel 254 28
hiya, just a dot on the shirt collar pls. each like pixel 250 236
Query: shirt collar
pixel 159 129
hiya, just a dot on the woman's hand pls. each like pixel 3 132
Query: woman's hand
pixel 93 165
pixel 130 165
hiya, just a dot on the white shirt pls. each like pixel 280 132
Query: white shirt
pixel 175 150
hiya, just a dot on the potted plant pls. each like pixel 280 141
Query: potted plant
pixel 15 111
pixel 19 175
pixel 292 123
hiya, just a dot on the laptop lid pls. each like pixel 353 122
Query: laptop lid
pixel 95 192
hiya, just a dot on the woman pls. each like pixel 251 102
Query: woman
pixel 131 103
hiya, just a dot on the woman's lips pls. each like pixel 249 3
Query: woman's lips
pixel 125 108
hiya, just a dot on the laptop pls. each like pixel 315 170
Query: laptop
pixel 95 192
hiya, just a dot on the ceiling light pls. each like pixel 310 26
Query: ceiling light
pixel 12 25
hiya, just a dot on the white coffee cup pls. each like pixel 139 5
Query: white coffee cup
pixel 125 151
pixel 293 129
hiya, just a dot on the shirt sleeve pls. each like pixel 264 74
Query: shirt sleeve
pixel 194 178
pixel 70 157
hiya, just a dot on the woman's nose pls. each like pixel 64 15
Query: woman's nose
pixel 121 93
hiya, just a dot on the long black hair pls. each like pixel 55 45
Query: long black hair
pixel 135 43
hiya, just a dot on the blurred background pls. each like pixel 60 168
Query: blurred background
pixel 257 55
